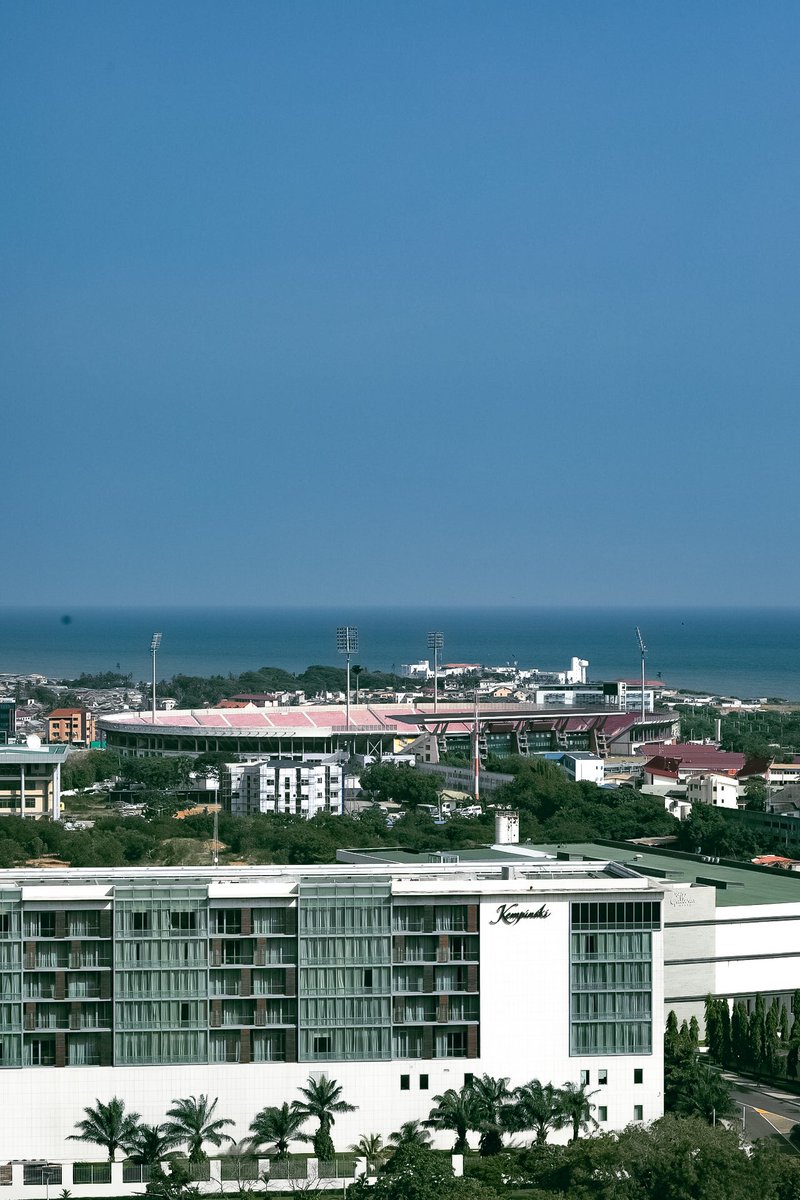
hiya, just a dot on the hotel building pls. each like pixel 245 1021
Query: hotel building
pixel 399 980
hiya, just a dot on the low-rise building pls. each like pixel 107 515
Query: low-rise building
pixel 721 791
pixel 71 726
pixel 30 779
pixel 300 789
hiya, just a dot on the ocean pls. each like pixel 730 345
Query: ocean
pixel 741 652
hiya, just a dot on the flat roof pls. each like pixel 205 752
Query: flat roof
pixel 746 883
pixel 25 754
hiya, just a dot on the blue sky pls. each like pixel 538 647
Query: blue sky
pixel 399 302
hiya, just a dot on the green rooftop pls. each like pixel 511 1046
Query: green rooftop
pixel 736 883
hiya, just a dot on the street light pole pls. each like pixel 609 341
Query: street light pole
pixel 154 644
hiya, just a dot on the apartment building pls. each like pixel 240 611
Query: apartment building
pixel 72 726
pixel 30 779
pixel 283 786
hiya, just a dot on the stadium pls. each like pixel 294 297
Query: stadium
pixel 383 729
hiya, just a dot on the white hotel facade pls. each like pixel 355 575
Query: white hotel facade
pixel 400 981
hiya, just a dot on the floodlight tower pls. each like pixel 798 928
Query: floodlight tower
pixel 154 644
pixel 347 644
pixel 476 754
pixel 643 650
pixel 435 643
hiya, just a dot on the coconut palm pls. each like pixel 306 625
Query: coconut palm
pixel 107 1125
pixel 193 1122
pixel 151 1144
pixel 370 1146
pixel 323 1098
pixel 576 1108
pixel 276 1127
pixel 538 1107
pixel 410 1133
pixel 491 1105
pixel 455 1110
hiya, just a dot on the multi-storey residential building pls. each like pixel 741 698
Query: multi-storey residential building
pixel 30 779
pixel 74 726
pixel 398 980
pixel 300 789
pixel 8 719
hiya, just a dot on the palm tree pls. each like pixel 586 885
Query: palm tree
pixel 455 1110
pixel 491 1107
pixel 410 1133
pixel 107 1125
pixel 276 1127
pixel 151 1144
pixel 323 1098
pixel 538 1107
pixel 704 1094
pixel 576 1108
pixel 193 1123
pixel 370 1146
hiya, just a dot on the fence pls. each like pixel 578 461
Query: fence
pixel 38 1180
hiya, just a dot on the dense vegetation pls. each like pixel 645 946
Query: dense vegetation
pixel 194 691
pixel 763 734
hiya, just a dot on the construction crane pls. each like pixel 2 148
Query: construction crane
pixel 643 650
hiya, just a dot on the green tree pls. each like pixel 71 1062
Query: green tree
pixel 755 789
pixel 370 1146
pixel 419 1173
pixel 194 1123
pixel 410 1133
pixel 679 1158
pixel 701 1092
pixel 576 1108
pixel 107 1125
pixel 152 1144
pixel 174 1185
pixel 538 1107
pixel 492 1111
pixel 322 1098
pixel 454 1111
pixel 277 1126
pixel 740 1037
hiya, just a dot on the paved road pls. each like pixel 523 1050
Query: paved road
pixel 767 1111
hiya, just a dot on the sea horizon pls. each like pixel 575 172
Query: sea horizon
pixel 733 650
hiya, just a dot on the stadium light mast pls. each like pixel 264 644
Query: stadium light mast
pixel 476 754
pixel 643 651
pixel 435 643
pixel 347 644
pixel 154 644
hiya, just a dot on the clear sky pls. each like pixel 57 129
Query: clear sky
pixel 412 301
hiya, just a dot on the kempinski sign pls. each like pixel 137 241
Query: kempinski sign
pixel 512 914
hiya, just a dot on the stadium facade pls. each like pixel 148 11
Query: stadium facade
pixel 380 730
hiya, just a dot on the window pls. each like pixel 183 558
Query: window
pixel 423 1083
pixel 638 1112
pixel 140 922
pixel 368 977
pixel 602 1076
pixel 322 1045
pixel 602 1112
pixel 405 1083
pixel 183 921
pixel 185 1018
pixel 585 1079
pixel 638 1075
